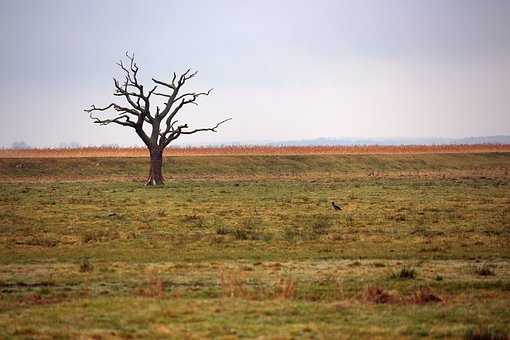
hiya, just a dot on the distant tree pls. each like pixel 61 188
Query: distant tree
pixel 71 145
pixel 20 145
pixel 138 114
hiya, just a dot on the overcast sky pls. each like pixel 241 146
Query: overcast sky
pixel 281 69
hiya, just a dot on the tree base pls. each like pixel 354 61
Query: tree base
pixel 155 171
pixel 151 181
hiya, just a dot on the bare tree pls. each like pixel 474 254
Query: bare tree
pixel 138 114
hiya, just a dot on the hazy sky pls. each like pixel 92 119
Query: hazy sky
pixel 281 69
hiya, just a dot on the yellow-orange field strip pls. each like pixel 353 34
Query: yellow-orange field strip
pixel 252 150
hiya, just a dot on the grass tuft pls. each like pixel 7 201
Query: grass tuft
pixel 377 295
pixel 424 295
pixel 485 270
pixel 320 225
pixel 249 229
pixel 405 274
pixel 86 266
pixel 485 332
pixel 155 286
pixel 291 234
pixel 286 288
pixel 223 230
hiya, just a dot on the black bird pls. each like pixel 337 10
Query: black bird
pixel 336 206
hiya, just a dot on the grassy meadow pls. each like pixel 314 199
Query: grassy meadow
pixel 250 246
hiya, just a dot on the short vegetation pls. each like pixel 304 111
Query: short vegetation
pixel 250 247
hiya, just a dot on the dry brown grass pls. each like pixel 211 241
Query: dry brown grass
pixel 239 284
pixel 233 284
pixel 424 295
pixel 286 288
pixel 155 287
pixel 252 150
pixel 378 295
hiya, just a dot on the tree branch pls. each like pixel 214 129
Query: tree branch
pixel 137 112
pixel 213 129
pixel 183 102
pixel 175 133
pixel 195 95
pixel 117 120
pixel 172 97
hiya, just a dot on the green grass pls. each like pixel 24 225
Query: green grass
pixel 249 246
pixel 238 166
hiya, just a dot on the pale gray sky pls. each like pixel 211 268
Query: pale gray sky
pixel 281 69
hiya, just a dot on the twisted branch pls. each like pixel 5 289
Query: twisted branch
pixel 139 105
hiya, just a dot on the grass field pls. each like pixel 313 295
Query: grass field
pixel 249 246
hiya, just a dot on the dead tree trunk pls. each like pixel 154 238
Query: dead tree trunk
pixel 156 165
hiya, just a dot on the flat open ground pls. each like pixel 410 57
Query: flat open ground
pixel 249 246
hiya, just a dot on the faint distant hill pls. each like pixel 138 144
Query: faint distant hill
pixel 483 140
pixel 394 141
